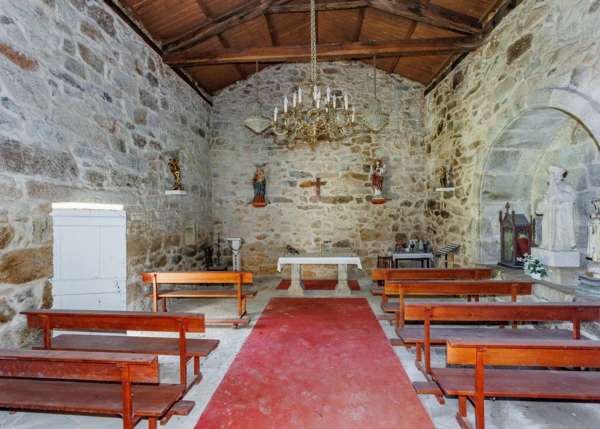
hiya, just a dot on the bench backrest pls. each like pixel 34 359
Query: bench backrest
pixel 432 274
pixel 195 277
pixel 475 287
pixel 500 312
pixel 502 352
pixel 67 365
pixel 115 320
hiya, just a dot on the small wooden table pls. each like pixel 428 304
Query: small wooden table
pixel 411 256
pixel 342 260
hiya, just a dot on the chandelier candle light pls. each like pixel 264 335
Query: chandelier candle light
pixel 325 118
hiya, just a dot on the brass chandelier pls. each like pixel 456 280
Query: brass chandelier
pixel 322 118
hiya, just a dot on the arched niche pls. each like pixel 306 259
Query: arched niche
pixel 558 127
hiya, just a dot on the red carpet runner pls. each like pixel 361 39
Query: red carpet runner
pixel 318 363
pixel 318 284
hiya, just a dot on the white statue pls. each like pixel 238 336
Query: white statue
pixel 593 247
pixel 558 231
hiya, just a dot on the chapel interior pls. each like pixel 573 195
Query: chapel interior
pixel 153 136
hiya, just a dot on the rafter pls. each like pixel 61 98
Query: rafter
pixel 409 34
pixel 218 25
pixel 359 24
pixel 332 51
pixel 272 31
pixel 434 15
pixel 294 8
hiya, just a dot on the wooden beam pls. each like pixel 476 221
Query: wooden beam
pixel 409 34
pixel 332 51
pixel 226 45
pixel 295 8
pixel 204 9
pixel 202 92
pixel 359 23
pixel 272 31
pixel 225 22
pixel 433 15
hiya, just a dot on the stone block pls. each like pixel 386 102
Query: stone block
pixel 553 258
pixel 26 265
pixel 93 60
pixel 18 58
pixel 103 19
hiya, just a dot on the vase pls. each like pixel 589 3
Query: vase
pixel 536 276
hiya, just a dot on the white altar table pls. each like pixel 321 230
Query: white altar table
pixel 342 260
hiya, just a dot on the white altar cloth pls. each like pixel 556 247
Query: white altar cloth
pixel 316 259
pixel 342 260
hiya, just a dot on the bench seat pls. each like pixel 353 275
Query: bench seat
pixel 132 344
pixel 521 383
pixel 206 293
pixel 85 396
pixel 416 335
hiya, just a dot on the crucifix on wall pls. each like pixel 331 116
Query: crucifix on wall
pixel 317 184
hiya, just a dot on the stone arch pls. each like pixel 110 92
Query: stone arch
pixel 512 169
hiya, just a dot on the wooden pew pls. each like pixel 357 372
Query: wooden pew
pixel 475 289
pixel 429 312
pixel 199 277
pixel 76 382
pixel 475 384
pixel 392 274
pixel 181 323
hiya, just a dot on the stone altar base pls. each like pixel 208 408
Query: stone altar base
pixel 589 285
pixel 564 276
pixel 553 258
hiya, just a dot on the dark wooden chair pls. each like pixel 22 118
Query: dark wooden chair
pixel 384 262
pixel 208 258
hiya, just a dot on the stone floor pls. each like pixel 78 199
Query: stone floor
pixel 500 414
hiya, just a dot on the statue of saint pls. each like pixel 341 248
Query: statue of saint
pixel 376 173
pixel 593 247
pixel 259 183
pixel 174 166
pixel 558 231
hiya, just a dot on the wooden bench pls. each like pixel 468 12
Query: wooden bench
pixel 181 323
pixel 472 289
pixel 429 312
pixel 427 274
pixel 77 382
pixel 476 384
pixel 197 277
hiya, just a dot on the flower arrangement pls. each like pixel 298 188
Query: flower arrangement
pixel 533 266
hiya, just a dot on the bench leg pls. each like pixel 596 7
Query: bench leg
pixel 196 365
pixel 461 415
pixel 164 304
pixel 152 423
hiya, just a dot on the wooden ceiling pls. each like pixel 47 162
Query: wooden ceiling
pixel 217 42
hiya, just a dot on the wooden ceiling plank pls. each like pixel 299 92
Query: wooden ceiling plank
pixel 359 23
pixel 136 15
pixel 332 51
pixel 220 24
pixel 295 8
pixel 440 17
pixel 409 34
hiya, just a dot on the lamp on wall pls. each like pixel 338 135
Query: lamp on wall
pixel 324 117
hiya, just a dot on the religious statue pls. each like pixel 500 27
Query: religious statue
pixel 376 174
pixel 558 231
pixel 443 180
pixel 259 183
pixel 593 247
pixel 174 166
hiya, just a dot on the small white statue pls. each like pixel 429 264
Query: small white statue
pixel 376 175
pixel 558 231
pixel 593 247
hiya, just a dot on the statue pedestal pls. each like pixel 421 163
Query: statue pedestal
pixel 554 258
pixel 589 285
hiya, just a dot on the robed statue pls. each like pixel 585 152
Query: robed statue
pixel 558 230
pixel 376 173
pixel 259 183
pixel 174 166
pixel 593 247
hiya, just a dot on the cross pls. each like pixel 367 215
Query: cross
pixel 317 183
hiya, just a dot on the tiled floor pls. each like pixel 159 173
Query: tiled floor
pixel 500 414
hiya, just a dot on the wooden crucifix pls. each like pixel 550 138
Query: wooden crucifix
pixel 317 183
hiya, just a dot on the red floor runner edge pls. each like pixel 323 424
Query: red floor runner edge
pixel 316 363
pixel 317 284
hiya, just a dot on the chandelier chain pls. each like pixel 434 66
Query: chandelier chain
pixel 313 42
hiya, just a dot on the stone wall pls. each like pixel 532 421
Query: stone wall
pixel 88 113
pixel 529 97
pixel 344 216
